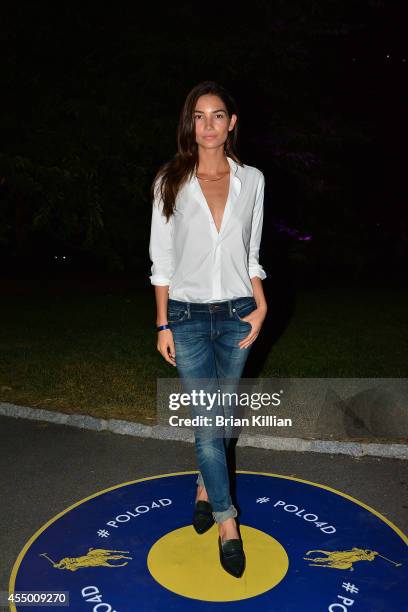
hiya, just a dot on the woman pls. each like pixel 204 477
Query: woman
pixel 204 244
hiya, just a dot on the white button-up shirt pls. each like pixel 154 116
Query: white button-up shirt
pixel 192 258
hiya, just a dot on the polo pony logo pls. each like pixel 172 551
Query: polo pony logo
pixel 344 559
pixel 95 557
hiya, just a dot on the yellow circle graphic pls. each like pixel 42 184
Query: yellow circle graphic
pixel 188 564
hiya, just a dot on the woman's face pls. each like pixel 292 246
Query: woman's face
pixel 212 122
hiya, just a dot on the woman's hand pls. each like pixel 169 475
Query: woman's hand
pixel 256 319
pixel 165 345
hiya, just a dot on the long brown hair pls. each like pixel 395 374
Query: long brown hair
pixel 174 173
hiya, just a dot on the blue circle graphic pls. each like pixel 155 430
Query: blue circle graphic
pixel 339 550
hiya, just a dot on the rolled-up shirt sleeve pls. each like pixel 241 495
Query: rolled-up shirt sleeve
pixel 255 269
pixel 161 243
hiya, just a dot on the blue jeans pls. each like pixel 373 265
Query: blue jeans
pixel 206 338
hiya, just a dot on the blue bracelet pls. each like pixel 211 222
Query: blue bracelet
pixel 160 327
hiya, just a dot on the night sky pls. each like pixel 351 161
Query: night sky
pixel 90 104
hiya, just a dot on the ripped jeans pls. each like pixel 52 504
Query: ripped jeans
pixel 206 337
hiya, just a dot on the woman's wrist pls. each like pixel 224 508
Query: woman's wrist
pixel 163 327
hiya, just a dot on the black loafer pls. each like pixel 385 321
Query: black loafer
pixel 203 516
pixel 232 556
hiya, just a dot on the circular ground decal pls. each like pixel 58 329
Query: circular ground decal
pixel 132 548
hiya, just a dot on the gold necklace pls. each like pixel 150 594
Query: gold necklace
pixel 213 179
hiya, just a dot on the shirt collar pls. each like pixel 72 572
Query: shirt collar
pixel 233 165
pixel 235 189
pixel 236 181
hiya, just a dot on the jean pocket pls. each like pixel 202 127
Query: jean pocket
pixel 176 315
pixel 244 311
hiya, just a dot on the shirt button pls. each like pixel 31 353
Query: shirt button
pixel 233 310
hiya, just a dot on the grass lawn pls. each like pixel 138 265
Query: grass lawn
pixel 96 354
